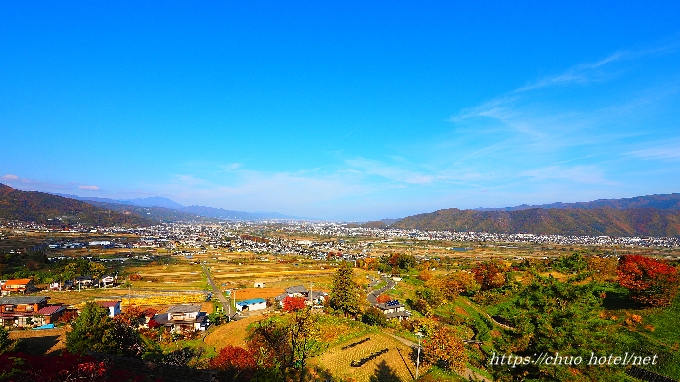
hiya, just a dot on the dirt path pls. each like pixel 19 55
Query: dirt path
pixel 485 314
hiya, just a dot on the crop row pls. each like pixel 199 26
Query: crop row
pixel 372 356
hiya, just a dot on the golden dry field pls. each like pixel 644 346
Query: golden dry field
pixel 181 276
pixel 397 361
pixel 39 342
pixel 144 298
pixel 248 293
pixel 233 333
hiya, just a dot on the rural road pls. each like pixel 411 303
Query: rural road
pixel 217 292
pixel 373 295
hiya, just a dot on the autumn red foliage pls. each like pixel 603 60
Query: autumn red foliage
pixel 383 298
pixel 67 367
pixel 132 316
pixel 237 362
pixel 68 316
pixel 292 304
pixel 651 282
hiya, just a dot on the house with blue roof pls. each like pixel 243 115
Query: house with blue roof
pixel 252 304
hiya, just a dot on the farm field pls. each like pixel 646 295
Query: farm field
pixel 248 293
pixel 137 297
pixel 397 363
pixel 39 342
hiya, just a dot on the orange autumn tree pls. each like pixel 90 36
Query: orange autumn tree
pixel 651 282
pixel 445 349
pixel 293 304
pixel 490 274
pixel 383 298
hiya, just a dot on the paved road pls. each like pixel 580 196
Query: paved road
pixel 373 295
pixel 217 292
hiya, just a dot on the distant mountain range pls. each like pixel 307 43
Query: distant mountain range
pixel 653 215
pixel 167 210
pixel 660 202
pixel 63 209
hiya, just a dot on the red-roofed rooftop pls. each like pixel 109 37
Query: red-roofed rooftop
pixel 108 304
pixel 50 309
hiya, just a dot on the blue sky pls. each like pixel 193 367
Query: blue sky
pixel 341 110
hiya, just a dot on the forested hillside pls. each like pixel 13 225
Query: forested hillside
pixel 594 222
pixel 40 207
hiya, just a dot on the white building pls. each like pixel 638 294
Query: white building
pixel 252 304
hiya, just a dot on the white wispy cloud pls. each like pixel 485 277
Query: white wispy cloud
pixel 579 74
pixel 394 173
pixel 10 177
pixel 89 188
pixel 231 167
pixel 189 180
pixel 662 151
pixel 579 174
pixel 595 71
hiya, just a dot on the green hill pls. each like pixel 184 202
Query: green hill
pixel 44 208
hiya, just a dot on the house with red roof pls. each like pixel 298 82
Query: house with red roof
pixel 49 314
pixel 28 311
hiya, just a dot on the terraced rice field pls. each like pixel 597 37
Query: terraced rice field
pixel 396 362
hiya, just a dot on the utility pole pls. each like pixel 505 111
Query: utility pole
pixel 419 335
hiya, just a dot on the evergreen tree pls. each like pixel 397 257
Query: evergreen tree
pixel 95 331
pixel 552 317
pixel 5 342
pixel 345 292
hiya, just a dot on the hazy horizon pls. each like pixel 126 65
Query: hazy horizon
pixel 341 111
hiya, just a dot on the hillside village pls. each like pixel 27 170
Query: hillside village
pixel 372 295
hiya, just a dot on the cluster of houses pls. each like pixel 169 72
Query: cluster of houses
pixel 35 311
pixel 28 311
pixel 86 281
pixel 312 298
pixel 25 286
pixel 19 310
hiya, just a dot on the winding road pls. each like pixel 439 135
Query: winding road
pixel 372 296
